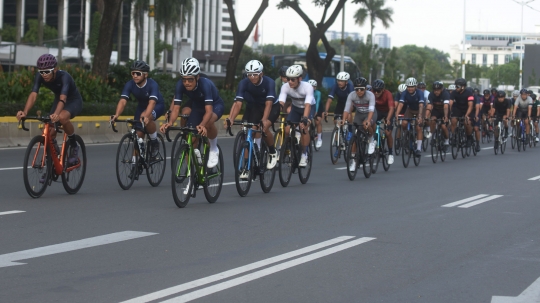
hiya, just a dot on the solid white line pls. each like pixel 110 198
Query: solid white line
pixel 10 168
pixel 480 201
pixel 11 212
pixel 8 259
pixel 464 201
pixel 233 272
pixel 530 294
pixel 265 272
pixel 488 147
pixel 535 178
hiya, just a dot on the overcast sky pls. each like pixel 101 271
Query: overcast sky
pixel 434 23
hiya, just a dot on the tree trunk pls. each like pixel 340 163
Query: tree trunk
pixel 119 33
pixel 41 6
pixel 233 61
pixel 315 64
pixel 104 46
pixel 100 6
pixel 164 56
pixel 19 21
pixel 141 35
pixel 60 29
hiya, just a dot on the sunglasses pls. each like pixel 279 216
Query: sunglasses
pixel 360 89
pixel 45 71
pixel 458 86
pixel 378 90
pixel 136 74
pixel 292 79
pixel 188 80
pixel 253 75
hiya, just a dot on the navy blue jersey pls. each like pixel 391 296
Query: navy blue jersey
pixel 414 100
pixel 341 94
pixel 205 93
pixel 149 91
pixel 62 84
pixel 438 102
pixel 261 93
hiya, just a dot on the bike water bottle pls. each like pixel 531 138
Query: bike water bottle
pixel 349 135
pixel 141 145
pixel 297 133
pixel 198 155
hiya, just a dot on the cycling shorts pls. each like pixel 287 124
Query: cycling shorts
pixel 197 114
pixel 74 107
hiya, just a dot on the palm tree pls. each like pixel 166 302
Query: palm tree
pixel 374 10
pixel 167 15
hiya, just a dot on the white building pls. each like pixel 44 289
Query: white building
pixel 336 35
pixel 382 40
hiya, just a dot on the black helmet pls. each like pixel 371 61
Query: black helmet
pixel 493 89
pixel 140 66
pixel 533 96
pixel 437 85
pixel 476 90
pixel 283 71
pixel 368 87
pixel 461 82
pixel 529 92
pixel 421 85
pixel 360 82
pixel 523 91
pixel 501 94
pixel 486 91
pixel 378 84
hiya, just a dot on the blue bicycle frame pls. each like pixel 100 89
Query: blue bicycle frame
pixel 248 144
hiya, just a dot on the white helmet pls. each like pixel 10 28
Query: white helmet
pixel 343 76
pixel 402 87
pixel 515 93
pixel 312 82
pixel 294 71
pixel 254 66
pixel 411 82
pixel 452 87
pixel 190 67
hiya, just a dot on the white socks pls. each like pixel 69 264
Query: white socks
pixel 257 141
pixel 153 136
pixel 319 136
pixel 213 145
pixel 419 144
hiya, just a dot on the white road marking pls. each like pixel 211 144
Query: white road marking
pixel 11 212
pixel 535 178
pixel 529 295
pixel 265 272
pixel 464 201
pixel 233 272
pixel 480 201
pixel 8 259
pixel 10 168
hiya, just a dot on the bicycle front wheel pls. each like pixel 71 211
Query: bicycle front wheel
pixel 214 180
pixel 178 141
pixel 456 141
pixel 384 154
pixel 238 143
pixel 37 167
pixel 305 171
pixel 182 177
pixel 73 176
pixel 127 162
pixel 267 175
pixel 397 140
pixel 435 148
pixel 514 137
pixel 335 148
pixel 503 146
pixel 286 162
pixel 156 160
pixel 416 159
pixel 367 159
pixel 407 151
pixel 351 170
pixel 242 171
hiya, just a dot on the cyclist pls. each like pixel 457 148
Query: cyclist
pixel 261 105
pixel 462 101
pixel 150 103
pixel 535 113
pixel 422 86
pixel 318 111
pixel 522 108
pixel 340 91
pixel 363 102
pixel 414 98
pixel 384 104
pixel 476 118
pixel 207 105
pixel 401 88
pixel 439 99
pixel 494 93
pixel 302 107
pixel 67 100
pixel 501 111
pixel 487 103
pixel 280 81
pixel 451 88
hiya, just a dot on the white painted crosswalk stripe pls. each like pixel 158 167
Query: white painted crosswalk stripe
pixel 472 201
pixel 535 178
pixel 11 212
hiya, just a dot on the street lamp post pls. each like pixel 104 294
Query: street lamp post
pixel 463 49
pixel 522 48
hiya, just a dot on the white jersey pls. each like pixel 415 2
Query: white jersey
pixel 363 105
pixel 300 96
pixel 426 96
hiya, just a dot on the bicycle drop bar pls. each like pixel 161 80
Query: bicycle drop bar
pixel 44 119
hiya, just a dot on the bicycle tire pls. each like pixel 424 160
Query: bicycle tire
pixel 474 144
pixel 305 172
pixel 367 159
pixel 182 176
pixel 313 135
pixel 177 141
pixel 519 141
pixel 286 163
pixel 124 161
pixel 238 142
pixel 424 143
pixel 514 137
pixel 267 176
pixel 243 185
pixel 442 152
pixel 73 178
pixel 406 148
pixel 384 155
pixel 33 173
pixel 435 149
pixel 455 145
pixel 155 168
pixel 213 179
pixel 496 146
pixel 503 146
pixel 353 143
pixel 335 149
pixel 464 143
pixel 397 141
pixel 416 159
pixel 376 156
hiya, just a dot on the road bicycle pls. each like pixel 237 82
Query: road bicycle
pixel 290 155
pixel 522 139
pixel 360 144
pixel 459 140
pixel 532 136
pixel 251 160
pixel 438 149
pixel 135 155
pixel 190 168
pixel 177 141
pixel 500 138
pixel 487 131
pixel 45 161
pixel 381 150
pixel 339 142
pixel 408 142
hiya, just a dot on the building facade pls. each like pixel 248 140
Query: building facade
pixel 382 40
pixel 336 35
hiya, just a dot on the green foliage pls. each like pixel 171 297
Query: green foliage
pixel 278 49
pixel 9 33
pixel 159 47
pixel 94 33
pixel 506 74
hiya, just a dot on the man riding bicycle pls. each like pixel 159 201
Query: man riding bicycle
pixel 522 108
pixel 462 102
pixel 340 91
pixel 501 111
pixel 384 104
pixel 318 110
pixel 439 99
pixel 414 99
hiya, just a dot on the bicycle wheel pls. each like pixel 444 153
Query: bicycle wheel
pixel 424 141
pixel 397 141
pixel 286 162
pixel 496 146
pixel 313 136
pixel 367 159
pixel 73 176
pixel 384 155
pixel 406 148
pixel 238 143
pixel 267 176
pixel 214 180
pixel 182 177
pixel 304 172
pixel 514 137
pixel 242 168
pixel 519 141
pixel 335 148
pixel 475 143
pixel 456 141
pixel 464 148
pixel 376 156
pixel 503 146
pixel 353 144
pixel 37 167
pixel 525 142
pixel 126 161
pixel 178 141
pixel 416 159
pixel 435 150
pixel 441 148
pixel 155 169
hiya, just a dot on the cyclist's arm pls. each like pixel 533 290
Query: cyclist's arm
pixel 529 111
pixel 235 109
pixel 399 107
pixel 469 108
pixel 348 106
pixel 30 102
pixel 446 105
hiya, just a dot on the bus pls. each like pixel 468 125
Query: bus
pixel 333 69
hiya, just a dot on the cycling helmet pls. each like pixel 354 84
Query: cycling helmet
pixel 360 82
pixel 515 93
pixel 190 67
pixel 501 94
pixel 461 82
pixel 494 90
pixel 254 66
pixel 46 61
pixel 476 90
pixel 421 85
pixel 402 87
pixel 283 71
pixel 522 91
pixel 533 96
pixel 378 84
pixel 294 71
pixel 437 85
pixel 140 66
pixel 486 92
pixel 529 92
pixel 344 76
pixel 368 87
pixel 312 82
pixel 411 82
pixel 451 87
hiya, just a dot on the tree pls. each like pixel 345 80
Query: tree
pixel 167 13
pixel 315 64
pixel 31 36
pixel 239 39
pixel 94 32
pixel 105 43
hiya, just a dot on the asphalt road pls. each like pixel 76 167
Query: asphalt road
pixel 402 244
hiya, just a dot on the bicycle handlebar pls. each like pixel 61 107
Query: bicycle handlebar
pixel 183 128
pixel 44 119
pixel 130 121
